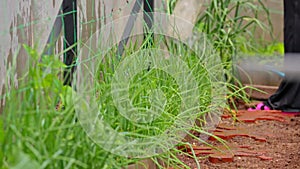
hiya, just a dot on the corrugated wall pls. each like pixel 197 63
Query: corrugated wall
pixel 23 22
pixel 30 22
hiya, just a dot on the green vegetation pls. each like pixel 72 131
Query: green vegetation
pixel 231 25
pixel 42 129
pixel 39 127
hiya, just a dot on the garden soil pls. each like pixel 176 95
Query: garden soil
pixel 281 147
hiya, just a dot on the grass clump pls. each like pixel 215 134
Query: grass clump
pixel 35 134
pixel 40 135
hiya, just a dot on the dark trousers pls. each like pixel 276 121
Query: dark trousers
pixel 67 19
pixel 287 97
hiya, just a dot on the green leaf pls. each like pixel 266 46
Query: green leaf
pixel 23 161
pixel 1 140
pixel 31 52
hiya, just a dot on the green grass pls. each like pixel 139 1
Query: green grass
pixel 34 134
pixel 231 25
pixel 39 136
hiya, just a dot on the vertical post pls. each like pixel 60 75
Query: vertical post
pixel 69 8
pixel 148 18
pixel 148 8
pixel 129 26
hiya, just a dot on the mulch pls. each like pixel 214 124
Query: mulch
pixel 261 139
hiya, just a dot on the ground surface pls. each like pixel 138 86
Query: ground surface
pixel 282 145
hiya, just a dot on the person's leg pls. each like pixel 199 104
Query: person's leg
pixel 287 97
pixel 70 41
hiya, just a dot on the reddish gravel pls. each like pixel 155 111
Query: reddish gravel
pixel 271 143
